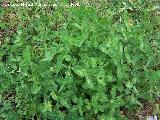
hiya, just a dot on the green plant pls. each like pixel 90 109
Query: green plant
pixel 76 64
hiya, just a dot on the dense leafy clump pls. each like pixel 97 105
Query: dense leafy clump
pixel 79 64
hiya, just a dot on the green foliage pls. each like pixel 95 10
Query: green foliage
pixel 76 64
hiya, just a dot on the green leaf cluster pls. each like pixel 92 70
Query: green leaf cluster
pixel 76 64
